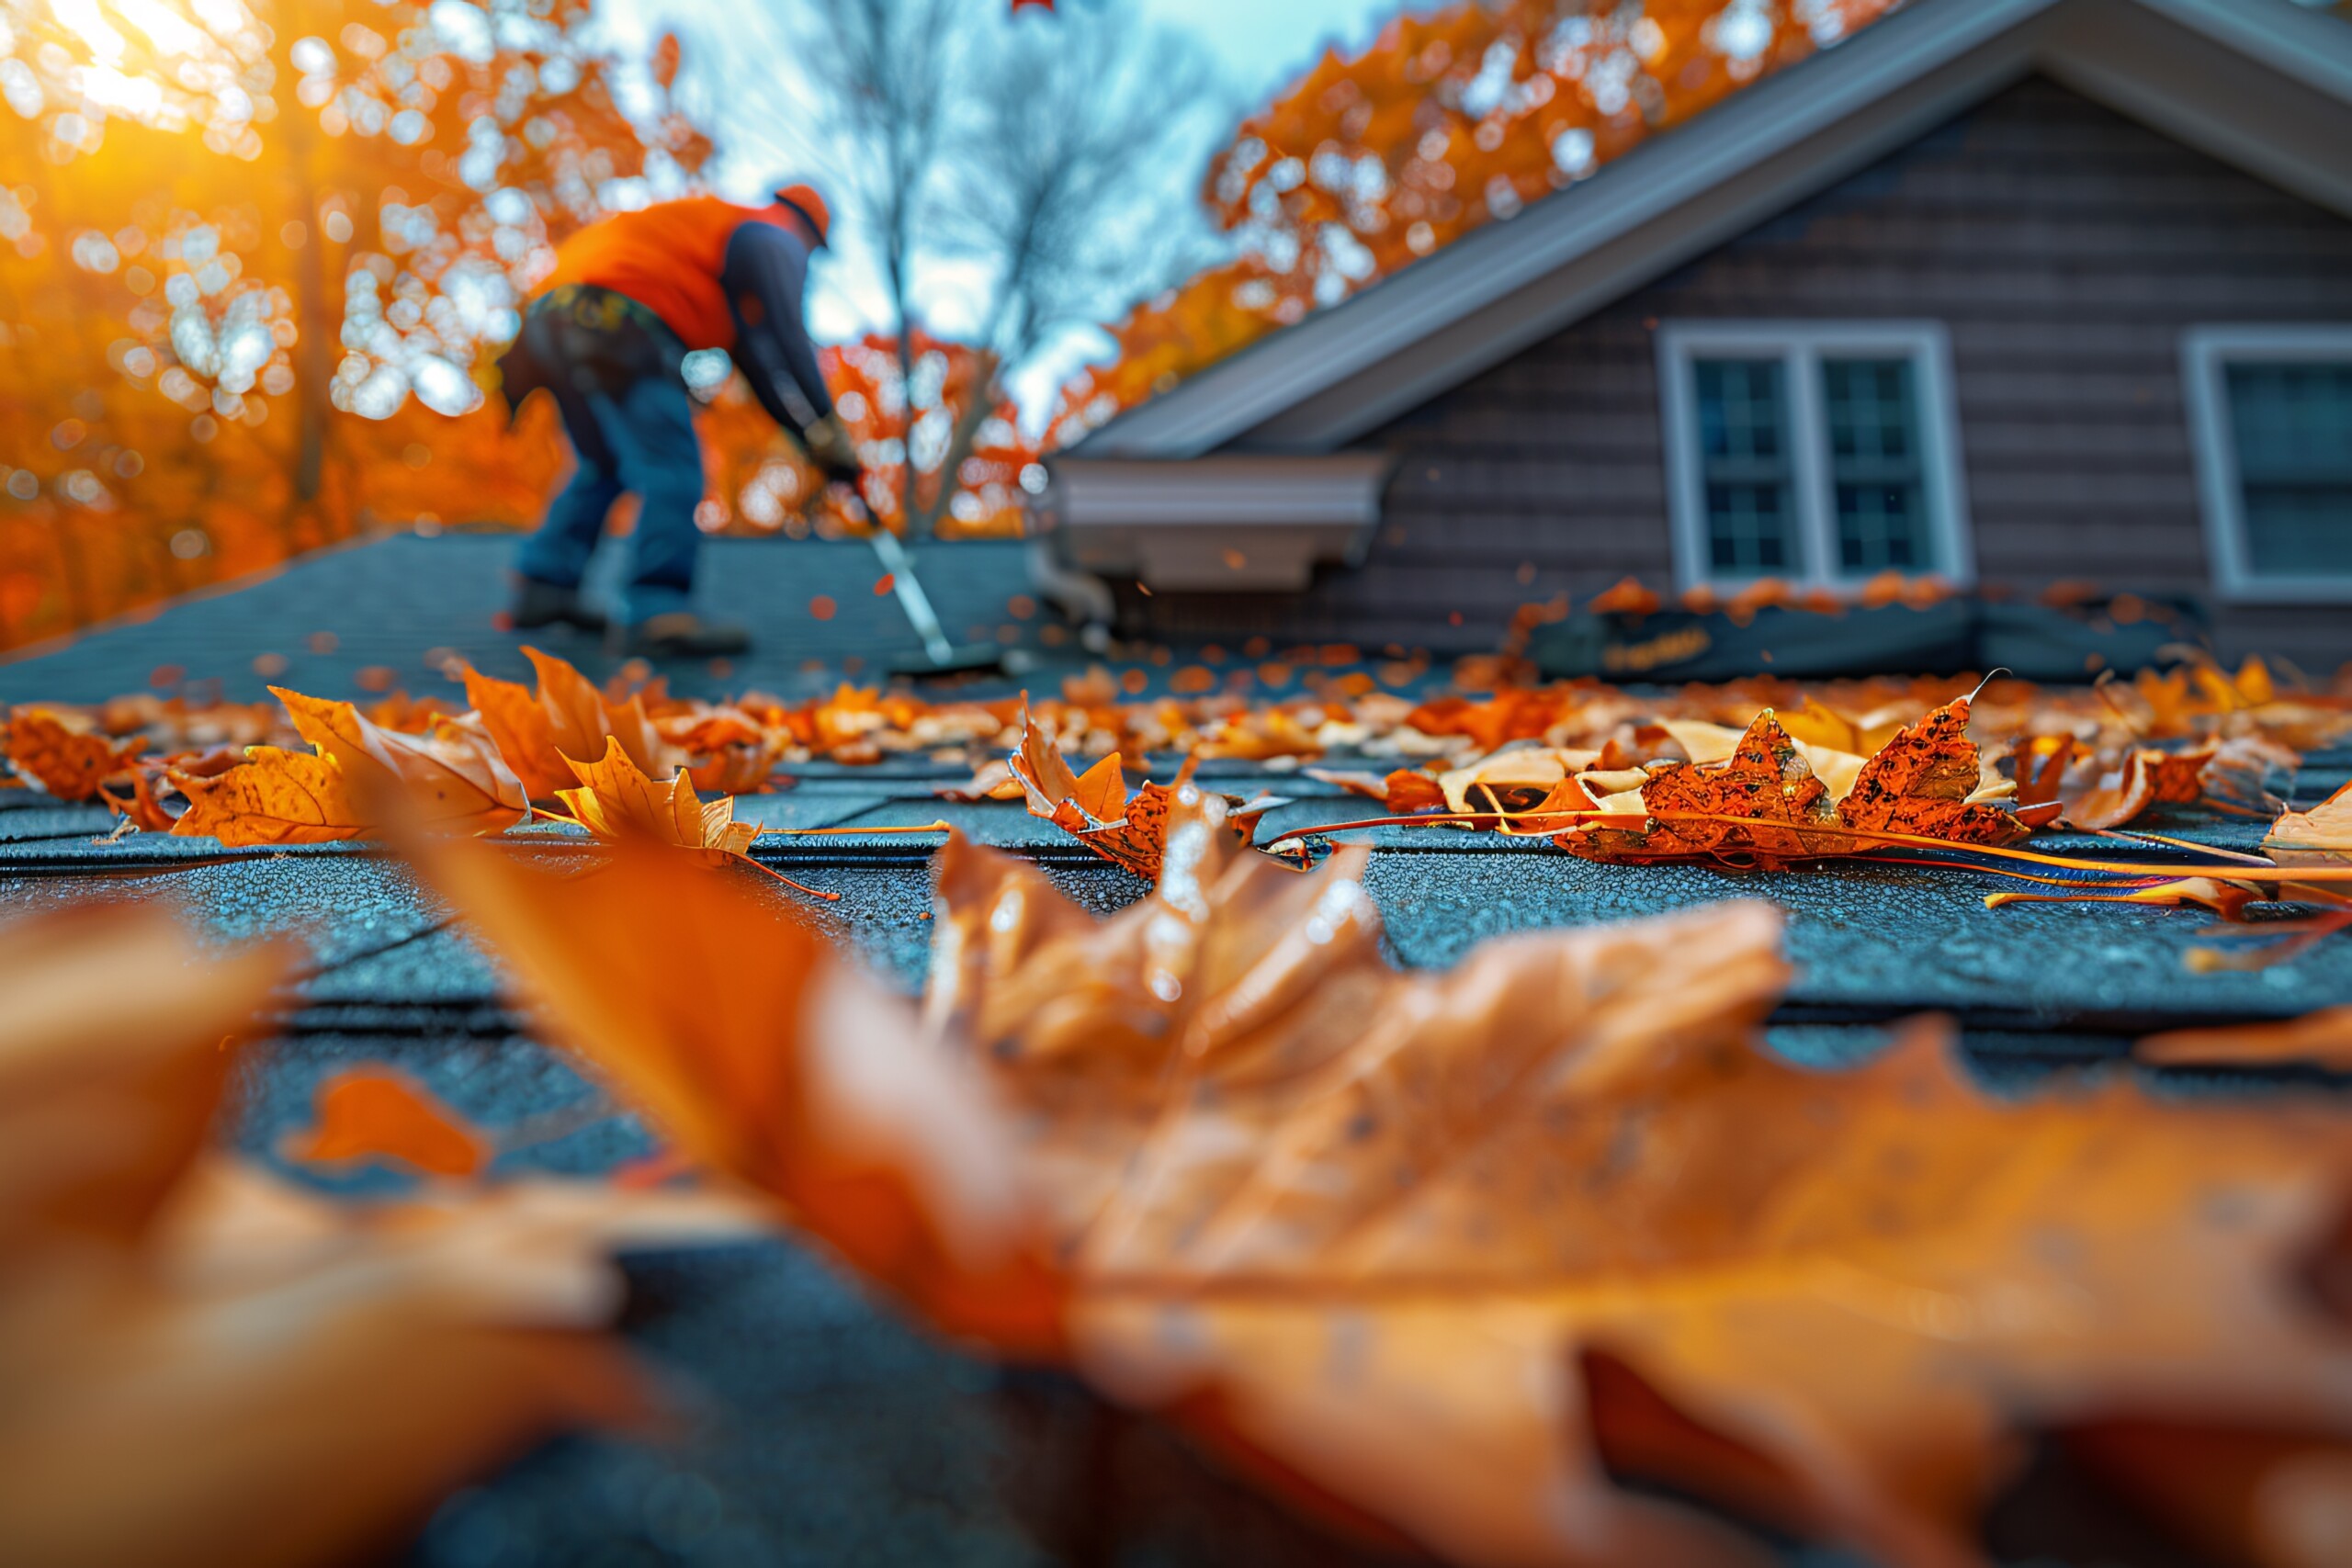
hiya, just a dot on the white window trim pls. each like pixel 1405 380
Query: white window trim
pixel 1800 346
pixel 2206 352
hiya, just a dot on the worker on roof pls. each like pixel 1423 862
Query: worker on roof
pixel 606 336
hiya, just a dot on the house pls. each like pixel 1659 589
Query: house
pixel 2010 291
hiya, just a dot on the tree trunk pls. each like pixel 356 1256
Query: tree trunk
pixel 315 323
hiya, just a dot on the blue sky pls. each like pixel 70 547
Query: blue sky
pixel 1263 43
pixel 1257 45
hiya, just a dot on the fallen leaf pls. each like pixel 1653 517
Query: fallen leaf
pixel 1095 808
pixel 1446 1247
pixel 143 811
pixel 375 1113
pixel 451 780
pixel 1510 779
pixel 768 1059
pixel 2320 835
pixel 565 719
pixel 275 796
pixel 1763 801
pixel 1923 783
pixel 70 764
pixel 1386 1223
pixel 614 800
pixel 992 780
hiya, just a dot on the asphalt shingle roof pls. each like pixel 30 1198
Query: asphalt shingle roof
pixel 826 1428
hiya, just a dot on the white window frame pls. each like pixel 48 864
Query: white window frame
pixel 1800 346
pixel 2206 354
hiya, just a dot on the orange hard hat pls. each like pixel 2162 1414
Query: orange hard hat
pixel 805 200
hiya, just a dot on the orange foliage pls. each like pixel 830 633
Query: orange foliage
pixel 255 265
pixel 1448 120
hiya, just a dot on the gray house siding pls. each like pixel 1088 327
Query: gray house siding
pixel 2065 247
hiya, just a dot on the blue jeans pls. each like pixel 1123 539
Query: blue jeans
pixel 636 437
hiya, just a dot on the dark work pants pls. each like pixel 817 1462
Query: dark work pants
pixel 631 426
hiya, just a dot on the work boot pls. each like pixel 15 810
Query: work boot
pixel 682 634
pixel 540 605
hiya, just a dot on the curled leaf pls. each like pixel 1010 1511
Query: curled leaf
pixel 1095 809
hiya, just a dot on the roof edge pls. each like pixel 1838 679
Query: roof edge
pixel 1344 370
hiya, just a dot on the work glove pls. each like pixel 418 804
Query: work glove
pixel 831 451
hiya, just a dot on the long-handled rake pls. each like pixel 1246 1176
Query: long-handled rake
pixel 940 656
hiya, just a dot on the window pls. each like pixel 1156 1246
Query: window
pixel 1825 452
pixel 2272 412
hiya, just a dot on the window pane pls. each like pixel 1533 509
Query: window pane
pixel 2293 429
pixel 1874 472
pixel 1744 445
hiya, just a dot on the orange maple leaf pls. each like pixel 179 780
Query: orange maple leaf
pixel 614 799
pixel 1921 782
pixel 359 776
pixel 1764 802
pixel 567 719
pixel 376 1113
pixel 275 796
pixel 71 764
pixel 1096 809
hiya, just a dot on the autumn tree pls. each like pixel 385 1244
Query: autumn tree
pixel 259 260
pixel 1448 120
pixel 1023 165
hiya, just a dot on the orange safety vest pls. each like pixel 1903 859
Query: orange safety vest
pixel 666 258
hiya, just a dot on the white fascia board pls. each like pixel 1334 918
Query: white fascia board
pixel 1717 150
pixel 1220 492
pixel 2275 97
pixel 2293 41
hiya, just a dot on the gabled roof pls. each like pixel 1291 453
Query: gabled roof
pixel 2266 85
